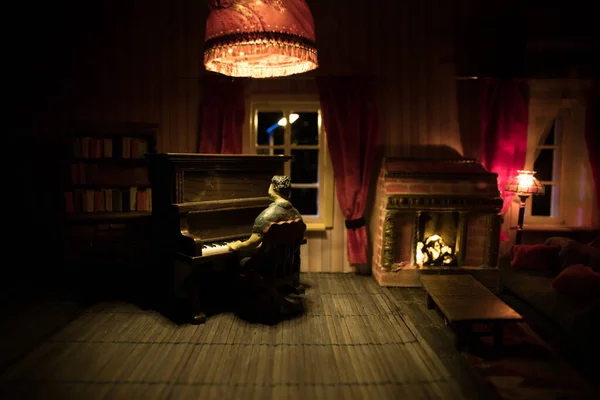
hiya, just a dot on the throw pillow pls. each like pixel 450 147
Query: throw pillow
pixel 578 281
pixel 574 252
pixel 557 241
pixel 535 257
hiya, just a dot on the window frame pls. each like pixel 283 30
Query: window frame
pixel 325 185
pixel 557 182
pixel 576 206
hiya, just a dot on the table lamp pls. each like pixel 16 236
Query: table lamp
pixel 524 185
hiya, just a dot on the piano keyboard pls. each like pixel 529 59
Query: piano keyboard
pixel 211 249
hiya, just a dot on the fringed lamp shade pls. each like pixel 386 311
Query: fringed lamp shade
pixel 525 184
pixel 260 38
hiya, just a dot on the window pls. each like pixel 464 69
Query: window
pixel 295 128
pixel 547 166
pixel 559 156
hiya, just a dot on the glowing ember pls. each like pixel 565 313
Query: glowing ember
pixel 434 252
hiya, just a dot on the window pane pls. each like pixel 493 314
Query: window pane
pixel 544 165
pixel 305 130
pixel 541 205
pixel 269 132
pixel 270 151
pixel 305 166
pixel 306 200
pixel 551 137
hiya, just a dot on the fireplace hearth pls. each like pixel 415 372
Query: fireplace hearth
pixel 435 214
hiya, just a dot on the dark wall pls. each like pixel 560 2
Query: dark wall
pixel 529 38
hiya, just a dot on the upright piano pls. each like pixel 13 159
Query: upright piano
pixel 201 202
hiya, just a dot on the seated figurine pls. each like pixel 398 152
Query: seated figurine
pixel 279 210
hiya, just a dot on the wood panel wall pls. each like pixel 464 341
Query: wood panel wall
pixel 141 61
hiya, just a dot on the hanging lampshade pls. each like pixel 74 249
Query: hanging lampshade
pixel 260 38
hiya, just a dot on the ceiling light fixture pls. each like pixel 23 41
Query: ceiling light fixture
pixel 260 38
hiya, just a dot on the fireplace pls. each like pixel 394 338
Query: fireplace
pixel 434 215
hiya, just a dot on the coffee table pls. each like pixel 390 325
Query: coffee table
pixel 464 301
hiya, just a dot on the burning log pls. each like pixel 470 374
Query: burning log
pixel 434 252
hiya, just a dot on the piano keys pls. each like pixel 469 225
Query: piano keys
pixel 217 248
pixel 201 202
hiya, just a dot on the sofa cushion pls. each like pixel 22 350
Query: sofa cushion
pixel 578 281
pixel 535 257
pixel 574 252
pixel 534 287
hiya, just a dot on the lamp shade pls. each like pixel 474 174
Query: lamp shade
pixel 525 184
pixel 260 38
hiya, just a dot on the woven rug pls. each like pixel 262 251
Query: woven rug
pixel 527 368
pixel 351 343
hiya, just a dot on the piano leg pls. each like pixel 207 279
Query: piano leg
pixel 298 288
pixel 187 285
pixel 198 319
pixel 194 295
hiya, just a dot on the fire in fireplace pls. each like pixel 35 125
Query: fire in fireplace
pixel 434 252
pixel 436 239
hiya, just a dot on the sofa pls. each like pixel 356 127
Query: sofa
pixel 556 286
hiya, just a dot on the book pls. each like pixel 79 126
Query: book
pixel 108 148
pixel 117 200
pixel 85 147
pixel 99 201
pixel 125 200
pixel 132 198
pixel 142 203
pixel 108 200
pixel 126 147
pixel 87 203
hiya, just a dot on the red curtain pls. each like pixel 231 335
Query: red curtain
pixel 504 120
pixel 352 125
pixel 592 137
pixel 222 112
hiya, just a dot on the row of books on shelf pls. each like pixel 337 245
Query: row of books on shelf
pixel 79 173
pixel 121 147
pixel 109 200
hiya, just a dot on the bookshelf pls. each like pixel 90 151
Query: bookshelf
pixel 107 200
pixel 106 173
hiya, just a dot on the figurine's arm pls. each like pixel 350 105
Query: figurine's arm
pixel 252 242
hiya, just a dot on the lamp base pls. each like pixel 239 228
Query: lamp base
pixel 522 199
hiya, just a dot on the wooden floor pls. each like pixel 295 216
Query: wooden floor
pixel 356 341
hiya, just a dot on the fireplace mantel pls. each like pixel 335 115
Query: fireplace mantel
pixel 441 202
pixel 414 192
